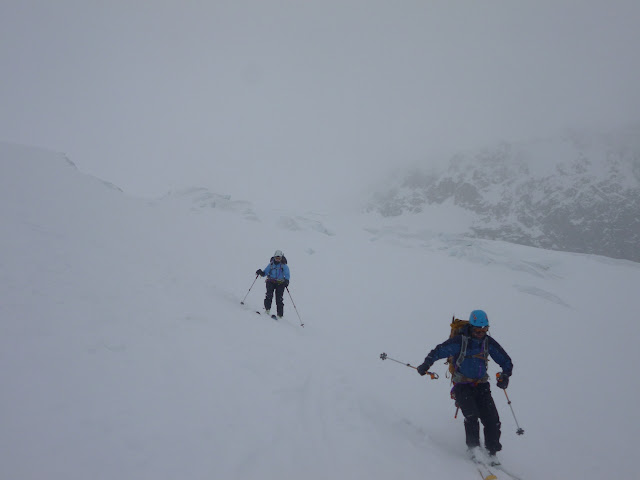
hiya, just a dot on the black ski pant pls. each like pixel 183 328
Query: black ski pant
pixel 476 403
pixel 278 288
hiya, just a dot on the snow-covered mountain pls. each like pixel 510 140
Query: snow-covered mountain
pixel 126 353
pixel 578 193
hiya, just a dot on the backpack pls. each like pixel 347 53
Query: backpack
pixel 457 326
pixel 283 261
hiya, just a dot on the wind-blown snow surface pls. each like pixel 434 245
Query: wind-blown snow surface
pixel 126 353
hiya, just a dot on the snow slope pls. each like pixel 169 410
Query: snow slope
pixel 126 353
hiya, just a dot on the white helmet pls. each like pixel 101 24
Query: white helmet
pixel 278 253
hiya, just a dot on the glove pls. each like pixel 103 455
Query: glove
pixel 260 272
pixel 286 283
pixel 503 381
pixel 423 369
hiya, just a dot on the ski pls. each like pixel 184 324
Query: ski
pixel 507 472
pixel 484 471
pixel 272 316
pixel 488 474
pixel 482 467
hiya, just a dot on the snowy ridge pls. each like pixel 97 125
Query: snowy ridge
pixel 579 193
pixel 127 353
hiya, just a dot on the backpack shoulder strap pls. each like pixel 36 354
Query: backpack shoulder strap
pixel 485 350
pixel 463 351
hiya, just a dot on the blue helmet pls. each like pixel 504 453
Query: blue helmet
pixel 478 318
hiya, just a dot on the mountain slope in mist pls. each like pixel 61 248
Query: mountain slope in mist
pixel 578 193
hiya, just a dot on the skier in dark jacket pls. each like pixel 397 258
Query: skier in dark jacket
pixel 277 273
pixel 471 388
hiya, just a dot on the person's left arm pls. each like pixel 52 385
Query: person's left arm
pixel 500 356
pixel 285 272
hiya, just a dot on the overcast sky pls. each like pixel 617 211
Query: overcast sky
pixel 282 99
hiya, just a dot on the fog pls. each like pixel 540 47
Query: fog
pixel 304 101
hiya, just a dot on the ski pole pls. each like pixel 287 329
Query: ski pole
pixel 294 306
pixel 245 297
pixel 384 356
pixel 519 431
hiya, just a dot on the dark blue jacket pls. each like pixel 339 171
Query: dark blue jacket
pixel 473 366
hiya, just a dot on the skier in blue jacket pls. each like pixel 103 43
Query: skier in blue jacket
pixel 277 273
pixel 471 351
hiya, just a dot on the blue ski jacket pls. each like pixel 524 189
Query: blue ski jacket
pixel 474 366
pixel 278 272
